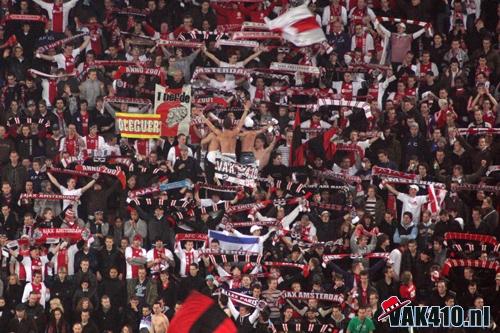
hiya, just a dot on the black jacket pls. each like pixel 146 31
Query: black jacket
pixel 115 289
pixel 62 290
pixel 106 320
pixel 23 326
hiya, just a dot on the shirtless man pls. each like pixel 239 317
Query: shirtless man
pixel 159 322
pixel 228 135
pixel 211 145
pixel 262 154
pixel 247 156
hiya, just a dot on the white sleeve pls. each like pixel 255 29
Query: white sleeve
pixel 305 124
pixel 417 34
pixel 261 217
pixel 343 14
pixel 370 46
pixel 128 253
pixel 326 16
pixel 150 255
pixel 355 87
pixel 70 4
pixel 59 58
pixel 383 29
pixel 337 85
pixel 102 143
pixel 45 5
pixel 324 124
pixel 435 69
pixel 402 197
pixel 75 52
pixel 478 8
pixel 221 271
pixel 170 255
pixel 422 199
pixel 62 144
pixel 26 293
pixel 171 155
pixel 288 220
pixel 370 13
pixel 353 43
pixel 178 251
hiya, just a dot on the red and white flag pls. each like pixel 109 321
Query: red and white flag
pixel 298 25
pixel 436 198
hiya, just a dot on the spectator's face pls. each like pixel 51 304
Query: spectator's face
pixel 108 242
pixel 84 265
pixel 85 317
pixel 33 298
pixel 20 314
pixel 106 303
pixel 188 23
pixel 288 314
pixel 62 274
pixel 479 303
pixel 71 183
pixel 193 270
pixel 362 311
pixel 6 189
pixel 441 287
pixel 412 247
pixel 233 59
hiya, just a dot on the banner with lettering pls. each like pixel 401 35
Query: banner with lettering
pixel 139 126
pixel 174 108
pixel 236 173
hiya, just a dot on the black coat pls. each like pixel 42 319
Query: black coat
pixel 108 259
pixel 23 326
pixel 190 283
pixel 63 290
pixel 13 295
pixel 37 313
pixel 115 289
pixel 106 320
pixel 131 318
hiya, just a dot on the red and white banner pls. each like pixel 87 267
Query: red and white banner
pixel 41 234
pixel 298 25
pixel 139 126
pixel 293 68
pixel 240 43
pixel 178 43
pixel 254 26
pixel 174 108
pixel 257 35
pixel 436 198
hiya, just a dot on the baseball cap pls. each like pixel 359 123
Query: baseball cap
pixel 255 228
pixel 415 187
pixel 209 277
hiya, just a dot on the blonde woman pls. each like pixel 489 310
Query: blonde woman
pixel 13 291
pixel 56 303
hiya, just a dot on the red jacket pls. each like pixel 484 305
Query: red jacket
pixel 232 16
pixel 256 15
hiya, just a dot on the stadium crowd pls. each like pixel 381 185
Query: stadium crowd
pixel 312 183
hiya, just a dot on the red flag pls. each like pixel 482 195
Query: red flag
pixel 297 149
pixel 199 313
